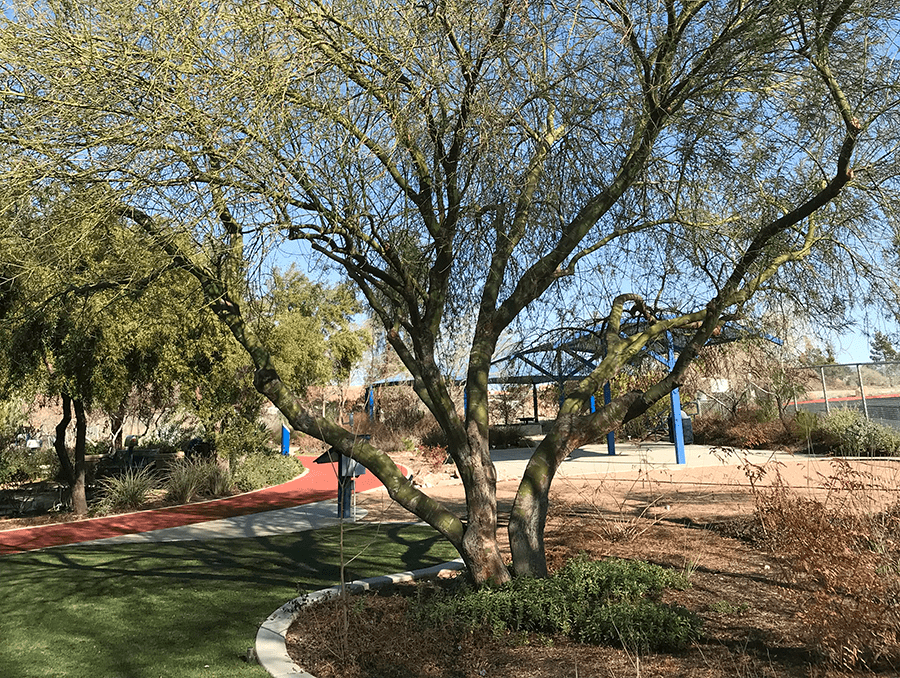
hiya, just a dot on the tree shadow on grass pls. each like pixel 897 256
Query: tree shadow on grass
pixel 176 608
pixel 281 560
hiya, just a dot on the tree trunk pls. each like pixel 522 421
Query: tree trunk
pixel 65 464
pixel 528 517
pixel 480 549
pixel 79 495
pixel 529 513
pixel 117 426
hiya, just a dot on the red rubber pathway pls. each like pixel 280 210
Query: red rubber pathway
pixel 319 483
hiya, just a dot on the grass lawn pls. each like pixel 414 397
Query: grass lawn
pixel 177 610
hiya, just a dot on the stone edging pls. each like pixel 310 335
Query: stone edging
pixel 271 648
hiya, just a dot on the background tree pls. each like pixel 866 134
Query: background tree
pixel 79 324
pixel 108 329
pixel 513 163
pixel 882 348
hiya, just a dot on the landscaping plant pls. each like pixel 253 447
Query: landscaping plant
pixel 191 478
pixel 606 601
pixel 127 491
pixel 843 547
pixel 264 469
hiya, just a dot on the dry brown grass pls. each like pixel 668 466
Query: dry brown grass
pixel 843 547
pixel 800 585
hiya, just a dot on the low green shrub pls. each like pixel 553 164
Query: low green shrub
pixel 127 491
pixel 242 438
pixel 608 601
pixel 19 464
pixel 641 626
pixel 849 433
pixel 92 448
pixel 188 479
pixel 264 469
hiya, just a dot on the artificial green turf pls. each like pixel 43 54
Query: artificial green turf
pixel 177 610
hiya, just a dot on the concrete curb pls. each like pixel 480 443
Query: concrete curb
pixel 271 648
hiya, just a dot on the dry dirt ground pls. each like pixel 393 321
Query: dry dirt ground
pixel 784 569
pixel 794 569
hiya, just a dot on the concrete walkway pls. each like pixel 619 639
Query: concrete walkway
pixel 307 502
pixel 594 460
pixel 303 503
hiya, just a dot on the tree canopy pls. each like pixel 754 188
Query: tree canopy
pixel 91 317
pixel 474 169
pixel 882 348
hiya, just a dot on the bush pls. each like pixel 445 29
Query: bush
pixel 842 550
pixel 191 478
pixel 849 433
pixel 242 438
pixel 127 491
pixel 842 432
pixel 608 601
pixel 264 469
pixel 399 408
pixel 162 446
pixel 748 429
pixel 19 464
pixel 434 455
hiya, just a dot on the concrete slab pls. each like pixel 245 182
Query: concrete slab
pixel 594 460
pixel 266 524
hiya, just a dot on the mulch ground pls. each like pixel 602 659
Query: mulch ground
pixel 808 604
pixel 759 620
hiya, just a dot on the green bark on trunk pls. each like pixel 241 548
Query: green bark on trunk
pixel 529 513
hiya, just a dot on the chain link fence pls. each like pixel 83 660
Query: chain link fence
pixel 871 388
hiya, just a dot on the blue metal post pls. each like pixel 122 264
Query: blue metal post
pixel 677 430
pixel 611 436
pixel 285 440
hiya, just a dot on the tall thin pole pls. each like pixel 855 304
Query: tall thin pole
pixel 611 436
pixel 677 430
pixel 824 389
pixel 862 390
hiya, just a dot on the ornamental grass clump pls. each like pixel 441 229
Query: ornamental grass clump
pixel 192 478
pixel 127 491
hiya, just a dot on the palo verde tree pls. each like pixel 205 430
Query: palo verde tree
pixel 85 320
pixel 478 165
pixel 89 318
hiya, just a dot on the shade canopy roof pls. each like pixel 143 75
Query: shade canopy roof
pixel 574 352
